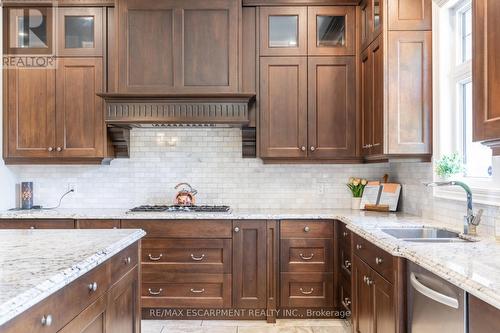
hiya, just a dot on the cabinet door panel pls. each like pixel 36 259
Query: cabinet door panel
pixel 409 123
pixel 249 264
pixel 80 118
pixel 383 305
pixel 376 53
pixel 366 102
pixel 30 95
pixel 486 72
pixel 332 107
pixel 283 93
pixel 410 14
pixel 332 30
pixel 146 46
pixel 123 312
pixel 363 299
pixel 91 320
pixel 283 31
pixel 80 32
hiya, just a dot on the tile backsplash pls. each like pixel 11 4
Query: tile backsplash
pixel 210 160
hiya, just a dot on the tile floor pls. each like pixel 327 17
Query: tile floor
pixel 244 326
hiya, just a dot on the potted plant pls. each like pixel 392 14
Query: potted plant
pixel 448 166
pixel 357 186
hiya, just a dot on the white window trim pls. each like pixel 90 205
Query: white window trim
pixel 485 190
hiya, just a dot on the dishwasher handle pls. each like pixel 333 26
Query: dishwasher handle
pixel 432 294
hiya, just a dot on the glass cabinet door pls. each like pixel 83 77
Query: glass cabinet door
pixel 332 30
pixel 28 30
pixel 284 31
pixel 79 32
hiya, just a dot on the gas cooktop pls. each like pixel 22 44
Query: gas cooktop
pixel 178 208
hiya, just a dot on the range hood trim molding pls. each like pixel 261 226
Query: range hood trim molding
pixel 219 108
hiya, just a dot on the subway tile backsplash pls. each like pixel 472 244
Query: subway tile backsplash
pixel 210 160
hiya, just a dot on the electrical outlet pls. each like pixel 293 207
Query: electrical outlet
pixel 72 186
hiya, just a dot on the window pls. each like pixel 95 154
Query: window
pixel 453 87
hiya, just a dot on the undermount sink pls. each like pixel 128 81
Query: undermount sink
pixel 425 235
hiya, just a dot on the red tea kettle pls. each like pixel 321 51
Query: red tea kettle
pixel 186 195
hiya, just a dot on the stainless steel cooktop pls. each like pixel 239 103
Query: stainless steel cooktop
pixel 178 208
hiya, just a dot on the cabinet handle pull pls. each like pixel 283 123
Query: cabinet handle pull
pixel 50 149
pixel 367 146
pixel 194 291
pixel 46 320
pixel 127 260
pixel 155 293
pixel 197 258
pixel 306 258
pixel 347 264
pixel 307 229
pixel 93 286
pixel 306 292
pixel 379 261
pixel 155 258
pixel 376 145
pixel 359 246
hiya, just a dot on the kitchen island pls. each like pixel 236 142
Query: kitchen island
pixel 62 280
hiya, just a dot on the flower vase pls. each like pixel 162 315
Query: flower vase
pixel 356 203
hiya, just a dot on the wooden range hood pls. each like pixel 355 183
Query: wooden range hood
pixel 138 110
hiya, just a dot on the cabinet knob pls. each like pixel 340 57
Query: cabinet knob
pixel 379 261
pixel 58 149
pixel 236 229
pixel 345 233
pixel 307 229
pixel 347 264
pixel 32 227
pixel 303 148
pixel 365 278
pixel 127 260
pixel 347 301
pixel 50 149
pixel 369 281
pixel 359 246
pixel 93 286
pixel 46 320
pixel 313 148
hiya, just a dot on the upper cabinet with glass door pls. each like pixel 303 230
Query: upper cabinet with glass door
pixel 283 31
pixel 28 30
pixel 332 30
pixel 371 21
pixel 79 32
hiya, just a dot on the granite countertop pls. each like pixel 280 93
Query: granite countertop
pixel 36 263
pixel 475 266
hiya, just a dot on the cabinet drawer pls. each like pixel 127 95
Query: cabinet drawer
pixel 306 255
pixel 182 228
pixel 124 262
pixel 64 305
pixel 345 292
pixel 344 235
pixel 306 229
pixel 345 260
pixel 306 290
pixel 36 224
pixel 98 224
pixel 374 256
pixel 189 291
pixel 187 255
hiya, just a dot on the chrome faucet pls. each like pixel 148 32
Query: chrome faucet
pixel 471 221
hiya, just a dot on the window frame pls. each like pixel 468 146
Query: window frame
pixel 449 77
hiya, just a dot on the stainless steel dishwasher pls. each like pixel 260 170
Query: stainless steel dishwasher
pixel 434 305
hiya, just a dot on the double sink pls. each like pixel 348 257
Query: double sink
pixel 425 235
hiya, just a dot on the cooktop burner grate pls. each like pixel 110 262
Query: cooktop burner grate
pixel 178 208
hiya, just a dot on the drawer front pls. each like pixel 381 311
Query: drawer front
pixel 306 229
pixel 345 260
pixel 345 292
pixel 124 261
pixel 374 256
pixel 307 255
pixel 98 224
pixel 188 255
pixel 189 291
pixel 299 290
pixel 344 235
pixel 182 228
pixel 36 224
pixel 64 305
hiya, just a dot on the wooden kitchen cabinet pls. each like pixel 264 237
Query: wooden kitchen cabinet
pixel 371 21
pixel 98 224
pixel 36 224
pixel 283 107
pixel 409 14
pixel 249 264
pixel 178 46
pixel 331 30
pixel 80 125
pixel 283 31
pixel 486 73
